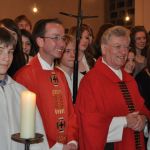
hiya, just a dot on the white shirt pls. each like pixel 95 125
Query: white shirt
pixel 118 123
pixel 117 72
pixel 10 118
pixel 44 64
pixel 70 79
pixel 87 68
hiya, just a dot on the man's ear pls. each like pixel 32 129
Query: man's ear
pixel 40 41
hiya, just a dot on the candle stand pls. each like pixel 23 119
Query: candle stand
pixel 38 139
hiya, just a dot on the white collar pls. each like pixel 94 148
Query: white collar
pixel 117 72
pixel 44 64
pixel 85 63
pixel 66 74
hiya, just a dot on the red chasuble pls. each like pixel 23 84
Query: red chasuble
pixel 99 100
pixel 53 100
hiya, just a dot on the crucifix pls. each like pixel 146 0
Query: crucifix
pixel 79 18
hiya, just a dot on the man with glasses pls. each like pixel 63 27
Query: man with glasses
pixel 108 95
pixel 53 96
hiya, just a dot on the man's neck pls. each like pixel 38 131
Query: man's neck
pixel 46 58
pixel 44 64
pixel 105 62
pixel 118 72
pixel 2 77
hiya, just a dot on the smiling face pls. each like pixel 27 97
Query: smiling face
pixel 130 63
pixel 115 52
pixel 6 57
pixel 140 40
pixel 52 44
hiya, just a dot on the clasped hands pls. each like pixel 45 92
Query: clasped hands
pixel 136 121
pixel 70 146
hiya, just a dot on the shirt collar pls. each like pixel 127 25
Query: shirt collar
pixel 85 63
pixel 117 72
pixel 66 74
pixel 44 64
pixel 4 81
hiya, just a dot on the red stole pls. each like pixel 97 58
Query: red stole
pixel 52 104
pixel 53 100
pixel 128 99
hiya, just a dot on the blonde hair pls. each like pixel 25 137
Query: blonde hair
pixel 69 39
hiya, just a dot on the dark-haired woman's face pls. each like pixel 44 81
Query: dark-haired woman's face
pixel 140 40
pixel 84 41
pixel 26 44
pixel 130 63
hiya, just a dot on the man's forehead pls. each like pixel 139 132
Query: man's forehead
pixel 118 38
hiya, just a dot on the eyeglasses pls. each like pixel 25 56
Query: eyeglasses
pixel 119 47
pixel 55 38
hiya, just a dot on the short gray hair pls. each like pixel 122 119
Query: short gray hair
pixel 115 31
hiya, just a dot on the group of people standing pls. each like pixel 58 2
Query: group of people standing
pixel 109 107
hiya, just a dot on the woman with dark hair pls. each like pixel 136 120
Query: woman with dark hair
pixel 143 81
pixel 19 59
pixel 86 52
pixel 130 62
pixel 140 44
pixel 28 44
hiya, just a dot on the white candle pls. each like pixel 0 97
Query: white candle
pixel 28 107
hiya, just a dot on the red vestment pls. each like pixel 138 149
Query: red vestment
pixel 53 100
pixel 99 100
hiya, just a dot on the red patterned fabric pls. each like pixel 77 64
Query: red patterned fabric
pixel 99 100
pixel 54 101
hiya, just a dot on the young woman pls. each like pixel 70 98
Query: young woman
pixel 66 62
pixel 130 63
pixel 139 43
pixel 86 52
pixel 28 45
